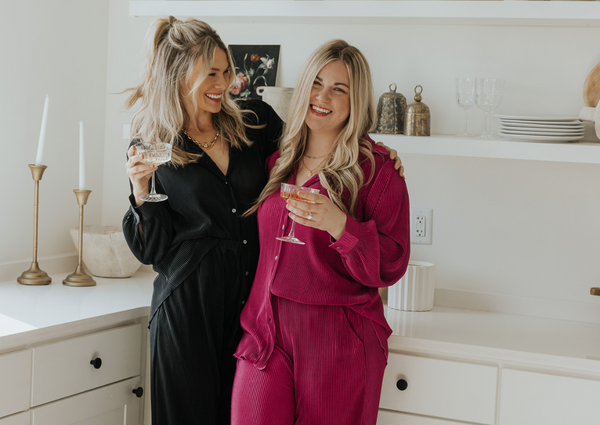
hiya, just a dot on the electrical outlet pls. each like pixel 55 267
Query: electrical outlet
pixel 421 225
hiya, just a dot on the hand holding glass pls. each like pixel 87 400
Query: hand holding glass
pixel 153 154
pixel 290 191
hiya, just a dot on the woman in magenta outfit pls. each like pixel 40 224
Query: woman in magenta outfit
pixel 314 347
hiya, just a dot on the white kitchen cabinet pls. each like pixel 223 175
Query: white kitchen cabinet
pixel 440 388
pixel 52 380
pixel 64 368
pixel 111 405
pixel 18 419
pixel 15 382
pixel 396 418
pixel 538 398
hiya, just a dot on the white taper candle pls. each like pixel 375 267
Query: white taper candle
pixel 40 150
pixel 81 158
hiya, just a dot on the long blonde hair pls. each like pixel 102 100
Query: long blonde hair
pixel 172 49
pixel 342 170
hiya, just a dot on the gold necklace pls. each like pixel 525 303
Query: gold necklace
pixel 205 145
pixel 315 157
pixel 311 172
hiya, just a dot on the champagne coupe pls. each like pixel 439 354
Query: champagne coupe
pixel 290 191
pixel 153 154
pixel 465 98
pixel 488 94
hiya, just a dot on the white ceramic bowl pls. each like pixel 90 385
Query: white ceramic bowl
pixel 414 291
pixel 105 251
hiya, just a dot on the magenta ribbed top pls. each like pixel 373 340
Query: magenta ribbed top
pixel 373 252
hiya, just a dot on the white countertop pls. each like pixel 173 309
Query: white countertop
pixel 447 331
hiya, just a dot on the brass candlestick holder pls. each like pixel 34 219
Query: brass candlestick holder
pixel 80 277
pixel 35 276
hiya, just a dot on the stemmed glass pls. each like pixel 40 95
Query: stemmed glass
pixel 488 94
pixel 465 98
pixel 153 154
pixel 290 191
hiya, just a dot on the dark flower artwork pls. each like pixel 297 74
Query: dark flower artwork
pixel 255 66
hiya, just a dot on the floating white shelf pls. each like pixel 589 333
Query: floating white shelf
pixel 581 152
pixel 560 13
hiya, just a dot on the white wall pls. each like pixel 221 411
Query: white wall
pixel 56 48
pixel 520 228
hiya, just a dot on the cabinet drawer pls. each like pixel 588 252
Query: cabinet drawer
pixel 20 419
pixel 15 382
pixel 395 418
pixel 538 398
pixel 440 388
pixel 63 368
pixel 111 405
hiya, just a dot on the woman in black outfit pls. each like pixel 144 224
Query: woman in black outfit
pixel 204 251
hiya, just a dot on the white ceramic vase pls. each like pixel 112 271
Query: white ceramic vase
pixel 414 291
pixel 105 251
pixel 278 97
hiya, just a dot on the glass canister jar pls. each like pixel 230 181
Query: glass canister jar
pixel 418 118
pixel 390 112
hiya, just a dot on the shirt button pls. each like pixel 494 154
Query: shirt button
pixel 233 210
pixel 243 302
pixel 283 227
pixel 226 183
pixel 276 257
pixel 247 273
pixel 245 241
pixel 269 319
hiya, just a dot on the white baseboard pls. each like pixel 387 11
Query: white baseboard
pixel 526 306
pixel 11 270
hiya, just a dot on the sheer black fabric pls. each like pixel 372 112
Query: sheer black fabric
pixel 205 254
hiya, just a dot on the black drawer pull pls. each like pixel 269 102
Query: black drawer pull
pixel 139 391
pixel 97 363
pixel 402 384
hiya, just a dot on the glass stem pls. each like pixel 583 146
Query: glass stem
pixel 153 191
pixel 488 124
pixel 464 132
pixel 291 235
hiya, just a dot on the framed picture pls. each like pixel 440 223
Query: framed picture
pixel 255 66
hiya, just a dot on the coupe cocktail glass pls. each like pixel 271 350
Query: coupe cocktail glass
pixel 153 154
pixel 290 191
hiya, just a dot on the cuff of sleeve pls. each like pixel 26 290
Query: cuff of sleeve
pixel 349 238
pixel 142 212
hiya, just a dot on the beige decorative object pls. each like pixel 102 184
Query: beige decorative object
pixel 587 113
pixel 414 292
pixel 391 109
pixel 105 251
pixel 417 121
pixel 278 97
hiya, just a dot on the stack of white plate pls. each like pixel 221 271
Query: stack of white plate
pixel 544 128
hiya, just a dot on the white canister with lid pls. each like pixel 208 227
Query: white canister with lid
pixel 414 291
pixel 278 97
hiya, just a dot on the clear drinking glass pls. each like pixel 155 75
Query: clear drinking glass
pixel 488 94
pixel 465 98
pixel 290 191
pixel 154 154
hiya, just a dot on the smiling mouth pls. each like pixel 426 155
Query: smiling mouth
pixel 319 111
pixel 214 97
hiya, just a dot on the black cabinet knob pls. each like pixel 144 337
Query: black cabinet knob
pixel 97 363
pixel 139 391
pixel 402 384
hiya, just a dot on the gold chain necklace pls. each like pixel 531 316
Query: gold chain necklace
pixel 315 157
pixel 205 145
pixel 311 172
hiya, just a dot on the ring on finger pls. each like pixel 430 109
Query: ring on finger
pixel 309 216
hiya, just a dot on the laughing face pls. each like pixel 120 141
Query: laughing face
pixel 329 106
pixel 210 91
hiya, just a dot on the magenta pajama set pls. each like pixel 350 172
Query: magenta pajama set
pixel 314 347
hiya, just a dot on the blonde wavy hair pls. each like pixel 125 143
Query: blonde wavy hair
pixel 172 49
pixel 342 170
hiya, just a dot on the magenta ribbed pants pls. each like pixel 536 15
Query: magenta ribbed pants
pixel 326 369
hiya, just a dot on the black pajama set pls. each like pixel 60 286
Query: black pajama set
pixel 205 254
